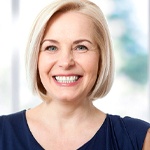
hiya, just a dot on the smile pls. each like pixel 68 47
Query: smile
pixel 66 79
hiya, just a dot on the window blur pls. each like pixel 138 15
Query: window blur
pixel 128 23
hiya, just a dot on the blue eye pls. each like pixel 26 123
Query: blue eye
pixel 81 48
pixel 51 48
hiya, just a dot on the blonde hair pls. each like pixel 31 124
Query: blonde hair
pixel 106 62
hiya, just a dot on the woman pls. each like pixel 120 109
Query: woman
pixel 70 63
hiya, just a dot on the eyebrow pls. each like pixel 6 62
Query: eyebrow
pixel 82 40
pixel 75 42
pixel 50 40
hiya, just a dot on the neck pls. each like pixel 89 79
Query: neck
pixel 66 112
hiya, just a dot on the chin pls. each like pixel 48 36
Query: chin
pixel 66 98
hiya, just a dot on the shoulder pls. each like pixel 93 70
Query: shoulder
pixel 7 121
pixel 134 122
pixel 14 132
pixel 130 123
pixel 13 116
pixel 135 129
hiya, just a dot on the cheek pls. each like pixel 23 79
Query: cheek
pixel 41 65
pixel 44 63
pixel 91 64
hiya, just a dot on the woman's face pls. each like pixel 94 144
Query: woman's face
pixel 68 58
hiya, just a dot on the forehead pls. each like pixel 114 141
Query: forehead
pixel 69 23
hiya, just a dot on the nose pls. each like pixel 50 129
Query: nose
pixel 66 60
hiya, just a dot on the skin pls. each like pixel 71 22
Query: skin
pixel 68 49
pixel 146 145
pixel 68 59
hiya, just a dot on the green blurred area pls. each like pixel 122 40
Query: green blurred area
pixel 130 46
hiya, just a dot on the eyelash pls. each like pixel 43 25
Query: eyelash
pixel 81 48
pixel 51 46
pixel 84 48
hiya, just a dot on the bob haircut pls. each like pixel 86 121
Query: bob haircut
pixel 102 37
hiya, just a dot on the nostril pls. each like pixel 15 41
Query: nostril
pixel 66 63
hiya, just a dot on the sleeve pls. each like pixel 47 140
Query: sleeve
pixel 1 131
pixel 137 130
pixel 1 125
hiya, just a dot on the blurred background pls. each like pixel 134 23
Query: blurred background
pixel 129 26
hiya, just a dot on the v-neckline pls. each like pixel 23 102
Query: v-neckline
pixel 38 144
pixel 97 132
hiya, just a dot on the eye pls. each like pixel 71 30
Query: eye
pixel 81 48
pixel 51 48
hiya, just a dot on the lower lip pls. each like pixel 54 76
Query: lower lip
pixel 67 84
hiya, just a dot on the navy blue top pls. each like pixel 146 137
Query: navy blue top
pixel 116 133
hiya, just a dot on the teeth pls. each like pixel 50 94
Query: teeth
pixel 69 79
